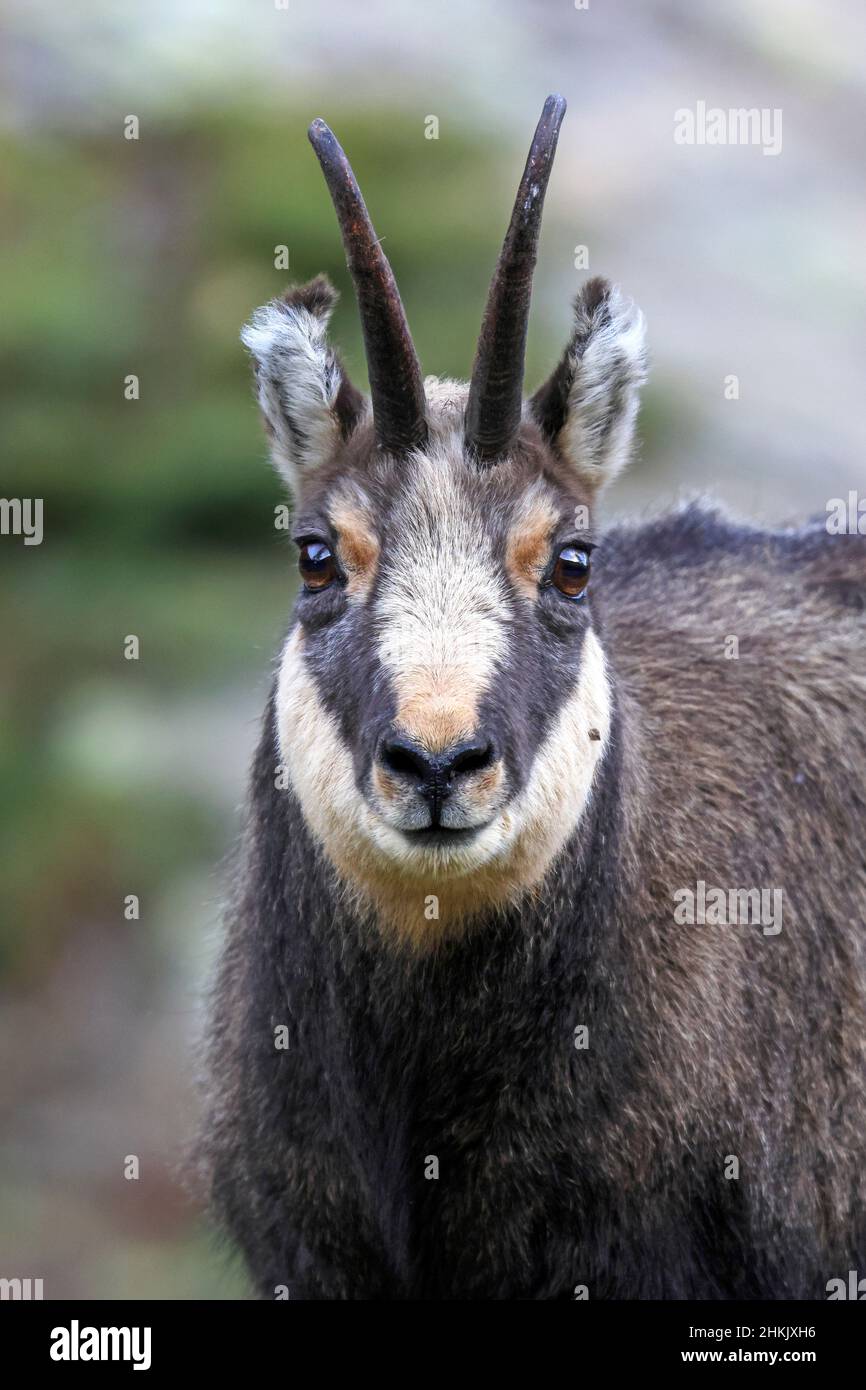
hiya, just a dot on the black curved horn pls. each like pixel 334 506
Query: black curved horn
pixel 396 385
pixel 496 390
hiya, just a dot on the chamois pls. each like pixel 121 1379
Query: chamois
pixel 467 1039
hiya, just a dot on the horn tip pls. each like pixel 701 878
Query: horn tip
pixel 556 105
pixel 318 130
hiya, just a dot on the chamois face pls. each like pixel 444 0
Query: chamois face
pixel 442 701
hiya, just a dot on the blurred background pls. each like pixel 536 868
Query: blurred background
pixel 143 257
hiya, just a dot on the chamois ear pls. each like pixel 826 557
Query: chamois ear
pixel 587 407
pixel 307 401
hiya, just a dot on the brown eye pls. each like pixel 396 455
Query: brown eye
pixel 317 566
pixel 571 571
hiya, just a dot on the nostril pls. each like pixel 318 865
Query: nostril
pixel 404 760
pixel 474 758
pixel 435 775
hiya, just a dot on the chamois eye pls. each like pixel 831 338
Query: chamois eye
pixel 571 571
pixel 317 566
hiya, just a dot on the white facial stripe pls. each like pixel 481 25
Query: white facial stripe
pixel 311 748
pixel 442 609
pixel 556 794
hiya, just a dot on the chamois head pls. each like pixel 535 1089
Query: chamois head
pixel 442 701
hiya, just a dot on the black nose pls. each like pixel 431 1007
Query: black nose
pixel 435 775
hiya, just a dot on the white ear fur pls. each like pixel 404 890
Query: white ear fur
pixel 298 377
pixel 588 407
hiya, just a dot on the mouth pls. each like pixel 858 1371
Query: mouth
pixel 441 836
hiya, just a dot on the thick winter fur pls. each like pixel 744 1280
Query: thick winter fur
pixel 439 1125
